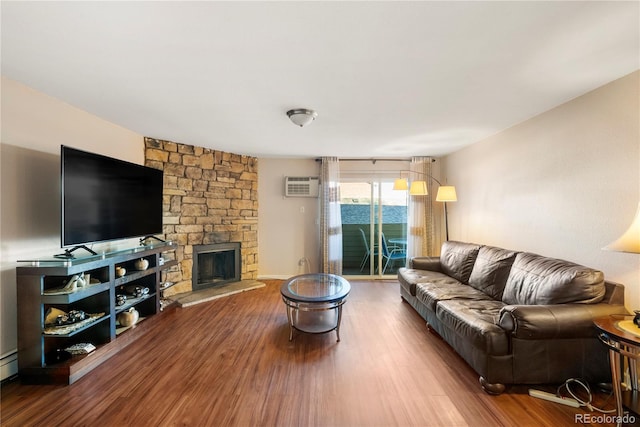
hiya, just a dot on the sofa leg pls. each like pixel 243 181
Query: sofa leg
pixel 494 389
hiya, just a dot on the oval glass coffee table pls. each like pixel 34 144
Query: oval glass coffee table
pixel 314 302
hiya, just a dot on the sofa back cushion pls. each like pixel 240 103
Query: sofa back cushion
pixel 491 270
pixel 457 259
pixel 535 279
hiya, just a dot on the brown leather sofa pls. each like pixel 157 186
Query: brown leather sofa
pixel 515 317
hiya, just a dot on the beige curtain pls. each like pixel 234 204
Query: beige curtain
pixel 330 218
pixel 421 229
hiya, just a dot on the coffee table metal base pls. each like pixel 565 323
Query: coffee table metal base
pixel 314 318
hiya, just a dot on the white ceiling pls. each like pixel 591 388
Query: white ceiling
pixel 388 79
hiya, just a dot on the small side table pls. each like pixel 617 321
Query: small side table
pixel 624 345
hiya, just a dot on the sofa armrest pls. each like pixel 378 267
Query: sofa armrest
pixel 554 321
pixel 429 263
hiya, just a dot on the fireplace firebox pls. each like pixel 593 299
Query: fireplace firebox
pixel 215 265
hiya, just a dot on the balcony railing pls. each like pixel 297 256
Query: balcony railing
pixel 353 248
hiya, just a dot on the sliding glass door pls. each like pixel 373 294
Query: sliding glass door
pixel 374 227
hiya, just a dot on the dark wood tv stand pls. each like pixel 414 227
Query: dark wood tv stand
pixel 39 283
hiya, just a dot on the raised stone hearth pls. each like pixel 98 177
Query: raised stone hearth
pixel 210 197
pixel 187 299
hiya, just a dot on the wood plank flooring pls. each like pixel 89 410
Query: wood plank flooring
pixel 229 362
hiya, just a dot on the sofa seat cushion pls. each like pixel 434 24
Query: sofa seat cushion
pixel 446 288
pixel 410 277
pixel 535 279
pixel 491 270
pixel 457 259
pixel 476 321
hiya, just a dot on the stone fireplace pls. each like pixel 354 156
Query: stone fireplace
pixel 215 265
pixel 210 197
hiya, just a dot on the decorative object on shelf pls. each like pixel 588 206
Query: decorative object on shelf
pixel 136 291
pixel 120 271
pixel 66 329
pixel 73 316
pixel 121 300
pixel 57 317
pixel 141 264
pixel 80 348
pixel 76 281
pixel 128 317
pixel 52 314
pixel 301 116
pixel 636 318
pixel 166 285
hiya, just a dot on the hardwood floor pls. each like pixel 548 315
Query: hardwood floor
pixel 228 362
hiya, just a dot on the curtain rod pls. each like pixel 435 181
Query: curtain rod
pixel 382 172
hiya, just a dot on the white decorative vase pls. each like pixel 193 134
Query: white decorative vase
pixel 128 317
pixel 141 264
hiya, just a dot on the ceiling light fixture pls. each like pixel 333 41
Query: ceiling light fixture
pixel 301 116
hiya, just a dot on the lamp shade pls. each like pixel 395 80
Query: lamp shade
pixel 418 188
pixel 446 193
pixel 301 116
pixel 630 240
pixel 401 184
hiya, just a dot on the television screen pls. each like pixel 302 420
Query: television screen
pixel 107 199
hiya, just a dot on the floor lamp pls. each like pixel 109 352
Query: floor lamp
pixel 446 193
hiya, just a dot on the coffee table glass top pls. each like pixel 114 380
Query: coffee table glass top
pixel 316 288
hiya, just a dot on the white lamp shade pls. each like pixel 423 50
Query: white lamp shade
pixel 446 193
pixel 418 188
pixel 630 240
pixel 401 184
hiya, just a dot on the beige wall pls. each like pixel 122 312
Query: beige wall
pixel 33 128
pixel 562 184
pixel 286 234
pixel 288 226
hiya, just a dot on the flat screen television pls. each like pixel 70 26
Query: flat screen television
pixel 105 199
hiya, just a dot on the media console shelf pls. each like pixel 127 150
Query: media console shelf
pixel 41 290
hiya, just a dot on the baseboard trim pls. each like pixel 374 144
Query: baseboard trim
pixel 8 365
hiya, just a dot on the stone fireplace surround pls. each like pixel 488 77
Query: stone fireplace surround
pixel 210 197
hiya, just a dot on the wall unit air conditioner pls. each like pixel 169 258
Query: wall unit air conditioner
pixel 301 186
